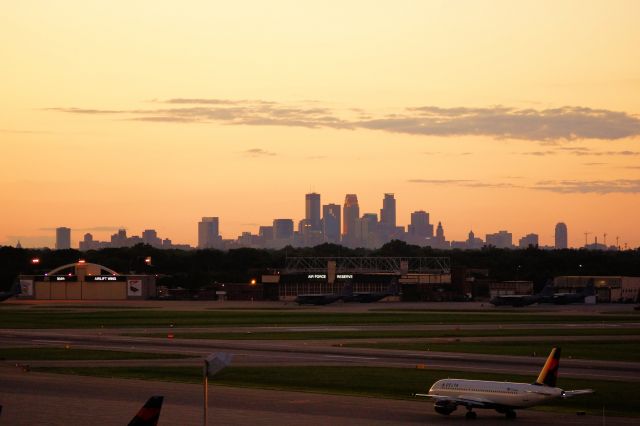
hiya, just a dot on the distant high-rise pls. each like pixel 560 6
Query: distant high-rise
pixel 501 239
pixel 150 236
pixel 388 212
pixel 63 238
pixel 562 236
pixel 312 211
pixel 366 231
pixel 420 226
pixel 529 240
pixel 440 232
pixel 208 232
pixel 282 229
pixel 266 233
pixel 119 239
pixel 350 215
pixel 331 222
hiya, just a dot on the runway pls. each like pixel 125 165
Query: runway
pixel 296 352
pixel 48 399
pixel 56 400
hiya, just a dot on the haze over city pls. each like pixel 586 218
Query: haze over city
pixel 489 116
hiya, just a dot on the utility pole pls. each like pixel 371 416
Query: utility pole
pixel 586 235
pixel 617 242
pixel 605 239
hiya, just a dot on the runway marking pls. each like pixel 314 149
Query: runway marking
pixel 347 356
pixel 322 329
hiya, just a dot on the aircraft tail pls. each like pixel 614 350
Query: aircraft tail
pixel 149 413
pixel 549 374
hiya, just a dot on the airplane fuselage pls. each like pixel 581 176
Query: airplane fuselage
pixel 496 395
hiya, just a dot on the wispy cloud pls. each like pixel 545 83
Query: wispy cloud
pixel 566 123
pixel 540 153
pixel 464 182
pixel 258 152
pixel 103 228
pixel 628 186
pixel 29 240
pixel 22 131
pixel 582 152
pixel 500 122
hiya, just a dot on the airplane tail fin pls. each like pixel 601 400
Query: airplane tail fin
pixel 149 413
pixel 549 374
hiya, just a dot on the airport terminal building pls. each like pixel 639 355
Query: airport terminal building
pixel 415 278
pixel 87 281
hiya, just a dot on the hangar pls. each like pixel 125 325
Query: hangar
pixel 416 278
pixel 87 281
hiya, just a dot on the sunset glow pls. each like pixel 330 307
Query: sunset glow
pixel 488 115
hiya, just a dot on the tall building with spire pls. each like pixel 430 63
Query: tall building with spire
pixel 350 216
pixel 312 211
pixel 562 236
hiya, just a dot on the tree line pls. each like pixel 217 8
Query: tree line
pixel 198 268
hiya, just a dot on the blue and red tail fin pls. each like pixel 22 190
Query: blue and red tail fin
pixel 149 413
pixel 549 374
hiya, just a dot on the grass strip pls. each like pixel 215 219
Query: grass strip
pixel 55 354
pixel 605 350
pixel 394 334
pixel 29 318
pixel 396 383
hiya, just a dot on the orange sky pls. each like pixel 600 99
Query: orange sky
pixel 489 115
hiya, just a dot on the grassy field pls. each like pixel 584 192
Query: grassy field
pixel 609 350
pixel 40 354
pixel 30 318
pixel 395 334
pixel 374 382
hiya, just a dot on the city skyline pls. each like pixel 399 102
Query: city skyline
pixel 366 230
pixel 489 116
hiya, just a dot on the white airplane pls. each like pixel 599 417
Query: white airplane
pixel 504 397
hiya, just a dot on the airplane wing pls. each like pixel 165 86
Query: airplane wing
pixel 467 401
pixel 569 394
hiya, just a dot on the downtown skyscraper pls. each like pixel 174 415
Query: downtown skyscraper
pixel 350 216
pixel 208 232
pixel 63 238
pixel 331 222
pixel 312 211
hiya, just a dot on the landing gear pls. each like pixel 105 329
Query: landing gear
pixel 471 415
pixel 510 414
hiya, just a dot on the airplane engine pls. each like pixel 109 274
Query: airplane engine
pixel 445 408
